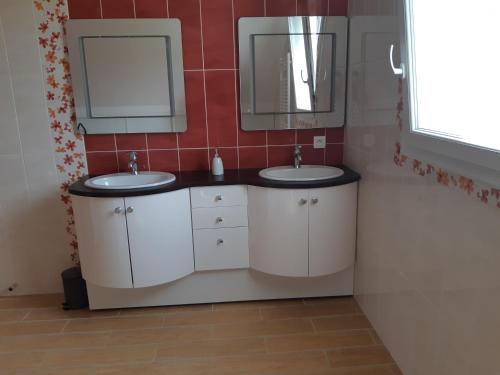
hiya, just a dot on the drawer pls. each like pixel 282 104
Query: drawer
pixel 220 217
pixel 219 249
pixel 219 196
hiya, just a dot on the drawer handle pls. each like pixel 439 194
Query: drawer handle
pixel 218 198
pixel 130 209
pixel 118 210
pixel 302 202
pixel 220 241
pixel 219 220
pixel 314 201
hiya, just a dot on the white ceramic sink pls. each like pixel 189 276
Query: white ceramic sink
pixel 124 181
pixel 304 173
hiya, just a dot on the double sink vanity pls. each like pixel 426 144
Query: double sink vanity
pixel 155 238
pixel 160 239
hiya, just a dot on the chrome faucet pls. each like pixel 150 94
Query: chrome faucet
pixel 133 163
pixel 297 156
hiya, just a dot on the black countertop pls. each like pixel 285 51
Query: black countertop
pixel 204 178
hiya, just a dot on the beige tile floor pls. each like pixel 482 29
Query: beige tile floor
pixel 313 336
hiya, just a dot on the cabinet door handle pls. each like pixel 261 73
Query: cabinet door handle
pixel 118 210
pixel 218 198
pixel 130 209
pixel 219 220
pixel 302 202
pixel 314 200
pixel 220 241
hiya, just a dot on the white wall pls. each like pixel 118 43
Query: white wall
pixel 428 262
pixel 33 242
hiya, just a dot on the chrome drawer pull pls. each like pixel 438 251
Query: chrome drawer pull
pixel 118 210
pixel 218 198
pixel 220 241
pixel 219 220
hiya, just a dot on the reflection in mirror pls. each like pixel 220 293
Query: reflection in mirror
pixel 292 85
pixel 127 75
pixel 292 72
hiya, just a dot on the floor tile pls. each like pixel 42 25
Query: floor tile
pixel 374 355
pixel 314 341
pixel 341 322
pixel 314 336
pixel 263 328
pixel 107 324
pixel 211 348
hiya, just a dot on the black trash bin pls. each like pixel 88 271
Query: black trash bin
pixel 75 289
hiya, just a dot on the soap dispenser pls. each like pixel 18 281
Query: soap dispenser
pixel 217 165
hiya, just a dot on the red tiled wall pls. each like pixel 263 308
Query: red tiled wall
pixel 209 30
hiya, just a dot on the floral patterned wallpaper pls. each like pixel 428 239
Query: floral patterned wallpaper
pixel 69 146
pixel 487 195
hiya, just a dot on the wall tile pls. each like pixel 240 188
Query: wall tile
pixel 335 135
pixel 248 8
pixel 84 9
pixel 196 134
pixel 13 184
pixel 163 160
pixel 124 159
pixel 280 8
pixel 221 108
pixel 117 8
pixel 9 134
pixel 252 138
pixel 102 163
pixel 188 11
pixel 157 141
pixel 312 155
pixel 334 154
pixel 194 159
pixel 281 137
pixel 218 40
pixel 280 155
pixel 253 157
pixel 339 7
pixel 131 142
pixel 312 7
pixel 100 142
pixel 151 8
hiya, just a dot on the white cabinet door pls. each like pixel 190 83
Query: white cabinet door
pixel 160 237
pixel 278 231
pixel 102 240
pixel 332 229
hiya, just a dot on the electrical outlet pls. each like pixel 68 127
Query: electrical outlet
pixel 320 141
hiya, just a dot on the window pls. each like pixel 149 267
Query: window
pixel 454 84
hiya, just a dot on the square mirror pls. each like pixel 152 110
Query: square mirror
pixel 127 75
pixel 292 72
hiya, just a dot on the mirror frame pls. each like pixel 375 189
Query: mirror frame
pixel 168 28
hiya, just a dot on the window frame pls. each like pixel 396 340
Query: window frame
pixel 466 159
